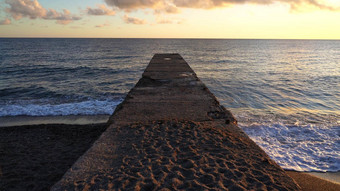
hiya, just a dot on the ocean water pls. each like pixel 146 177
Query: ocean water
pixel 285 94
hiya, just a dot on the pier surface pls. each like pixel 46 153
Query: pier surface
pixel 170 133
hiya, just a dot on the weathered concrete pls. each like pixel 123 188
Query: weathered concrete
pixel 169 89
pixel 171 132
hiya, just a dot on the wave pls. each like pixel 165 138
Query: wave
pixel 40 71
pixel 299 147
pixel 32 91
pixel 90 107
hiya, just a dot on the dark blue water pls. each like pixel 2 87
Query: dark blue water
pixel 284 93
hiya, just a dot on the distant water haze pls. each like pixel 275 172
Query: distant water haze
pixel 284 93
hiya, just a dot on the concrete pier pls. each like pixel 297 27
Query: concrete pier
pixel 171 133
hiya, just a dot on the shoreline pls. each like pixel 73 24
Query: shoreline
pixel 10 121
pixel 77 138
pixel 86 120
pixel 307 182
pixel 329 176
pixel 302 178
pixel 332 177
pixel 18 123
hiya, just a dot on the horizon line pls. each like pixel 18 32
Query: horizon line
pixel 160 38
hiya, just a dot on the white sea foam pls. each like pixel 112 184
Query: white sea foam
pixel 301 148
pixel 91 107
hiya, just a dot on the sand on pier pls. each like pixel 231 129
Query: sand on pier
pixel 30 159
pixel 178 155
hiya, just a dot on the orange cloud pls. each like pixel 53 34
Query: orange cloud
pixel 208 4
pixel 62 18
pixel 33 10
pixel 133 20
pixel 167 8
pixel 169 21
pixel 133 4
pixel 102 25
pixel 6 21
pixel 160 6
pixel 100 10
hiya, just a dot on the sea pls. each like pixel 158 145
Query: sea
pixel 285 94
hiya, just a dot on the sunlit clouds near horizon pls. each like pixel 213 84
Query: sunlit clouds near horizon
pixel 281 19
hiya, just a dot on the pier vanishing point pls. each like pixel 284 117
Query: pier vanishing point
pixel 171 133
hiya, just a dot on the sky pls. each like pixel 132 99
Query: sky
pixel 237 19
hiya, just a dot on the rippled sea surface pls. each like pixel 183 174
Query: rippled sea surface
pixel 284 93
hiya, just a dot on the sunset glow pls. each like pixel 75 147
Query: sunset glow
pixel 271 19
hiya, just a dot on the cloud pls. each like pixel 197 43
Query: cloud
pixel 169 21
pixel 295 4
pixel 133 4
pixel 208 4
pixel 25 8
pixel 167 8
pixel 171 9
pixel 160 6
pixel 172 20
pixel 62 18
pixel 164 21
pixel 320 4
pixel 102 25
pixel 6 21
pixel 101 10
pixel 133 20
pixel 32 9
